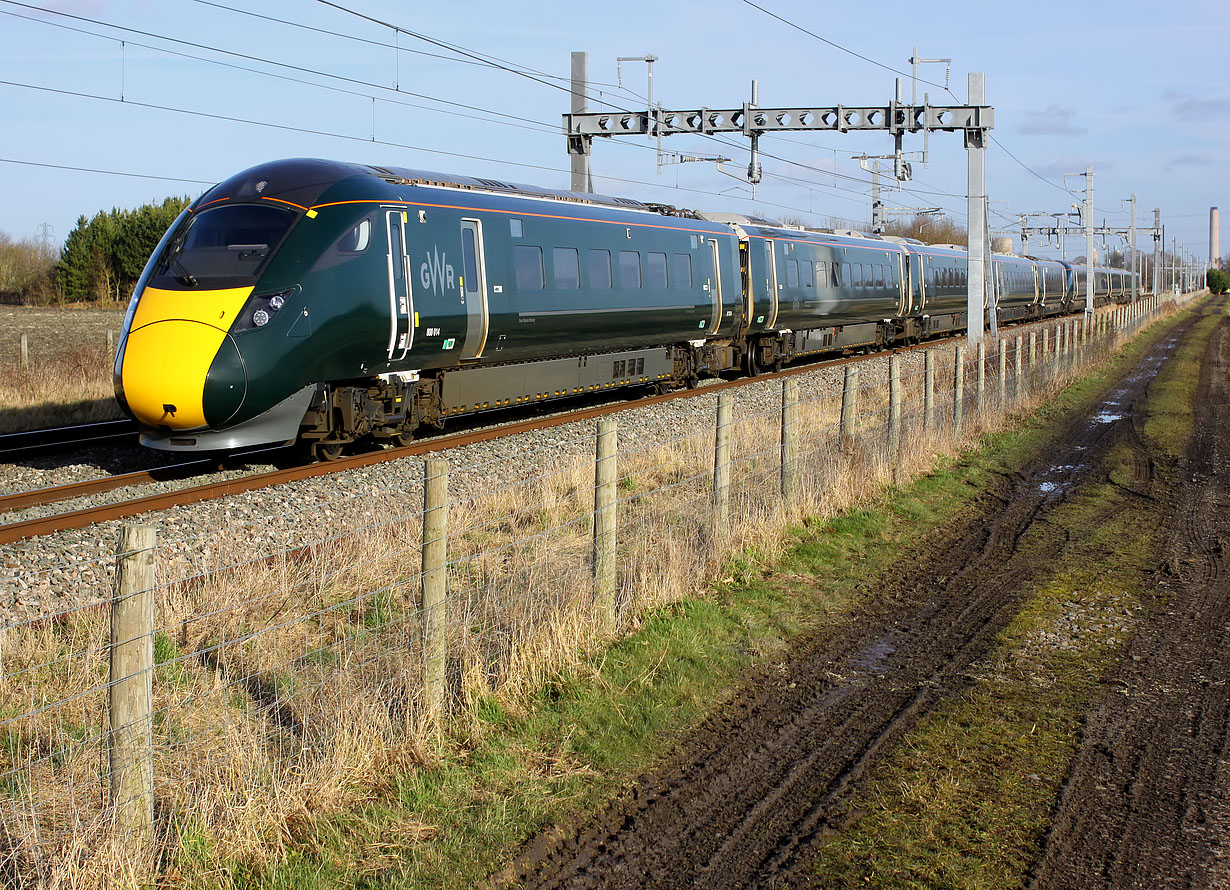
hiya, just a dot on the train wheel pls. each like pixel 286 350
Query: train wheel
pixel 326 451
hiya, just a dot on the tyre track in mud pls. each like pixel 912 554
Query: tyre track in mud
pixel 751 791
pixel 1147 802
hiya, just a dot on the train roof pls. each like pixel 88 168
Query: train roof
pixel 302 182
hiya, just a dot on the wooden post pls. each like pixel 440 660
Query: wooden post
pixel 958 389
pixel 606 471
pixel 111 343
pixel 982 376
pixel 1033 354
pixel 132 686
pixel 1046 353
pixel 1019 389
pixel 849 407
pixel 24 348
pixel 929 392
pixel 435 587
pixel 1003 370
pixel 721 465
pixel 894 405
pixel 790 440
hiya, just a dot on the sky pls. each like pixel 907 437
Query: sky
pixel 116 103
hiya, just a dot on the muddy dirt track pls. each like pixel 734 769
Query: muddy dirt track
pixel 750 793
pixel 1148 801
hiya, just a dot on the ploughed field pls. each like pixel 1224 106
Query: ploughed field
pixel 1035 696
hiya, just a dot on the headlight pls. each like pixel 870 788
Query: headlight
pixel 261 309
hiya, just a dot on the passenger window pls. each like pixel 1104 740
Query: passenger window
pixel 879 275
pixel 599 268
pixel 858 275
pixel 792 273
pixel 681 269
pixel 806 270
pixel 527 261
pixel 566 265
pixel 469 261
pixel 514 228
pixel 357 239
pixel 846 276
pixel 822 273
pixel 655 270
pixel 629 269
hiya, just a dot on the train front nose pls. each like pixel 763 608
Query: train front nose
pixel 181 369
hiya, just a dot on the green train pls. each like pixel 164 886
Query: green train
pixel 326 303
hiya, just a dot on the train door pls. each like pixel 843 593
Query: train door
pixel 715 289
pixel 473 288
pixel 771 282
pixel 901 282
pixel 401 299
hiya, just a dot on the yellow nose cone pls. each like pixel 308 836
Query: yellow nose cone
pixel 172 342
pixel 164 372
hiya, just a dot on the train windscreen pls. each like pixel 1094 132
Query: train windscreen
pixel 227 246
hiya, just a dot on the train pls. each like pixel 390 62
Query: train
pixel 328 303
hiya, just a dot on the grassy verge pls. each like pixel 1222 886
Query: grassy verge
pixel 966 799
pixel 506 770
pixel 70 387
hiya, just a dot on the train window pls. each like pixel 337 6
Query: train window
pixel 805 273
pixel 566 266
pixel 822 274
pixel 514 228
pixel 846 275
pixel 527 261
pixel 655 270
pixel 696 241
pixel 599 268
pixel 792 273
pixel 357 239
pixel 879 275
pixel 681 269
pixel 227 246
pixel 896 275
pixel 469 261
pixel 629 269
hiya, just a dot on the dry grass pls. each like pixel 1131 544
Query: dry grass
pixel 70 387
pixel 290 690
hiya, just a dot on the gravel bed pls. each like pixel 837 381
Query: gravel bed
pixel 52 574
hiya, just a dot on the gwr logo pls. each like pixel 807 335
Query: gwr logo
pixel 436 273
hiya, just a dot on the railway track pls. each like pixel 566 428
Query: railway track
pixel 24 444
pixel 77 519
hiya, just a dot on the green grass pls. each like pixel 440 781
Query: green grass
pixel 500 775
pixel 965 801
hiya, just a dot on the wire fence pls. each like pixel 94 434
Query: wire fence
pixel 209 709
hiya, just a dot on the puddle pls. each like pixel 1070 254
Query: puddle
pixel 873 657
pixel 1106 417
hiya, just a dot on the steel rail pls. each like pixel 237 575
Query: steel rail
pixel 58 438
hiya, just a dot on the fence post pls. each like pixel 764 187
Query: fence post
pixel 606 471
pixel 1033 354
pixel 1003 370
pixel 721 465
pixel 1046 353
pixel 982 376
pixel 849 407
pixel 1019 388
pixel 790 439
pixel 894 405
pixel 958 390
pixel 435 586
pixel 111 343
pixel 929 392
pixel 24 348
pixel 132 686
